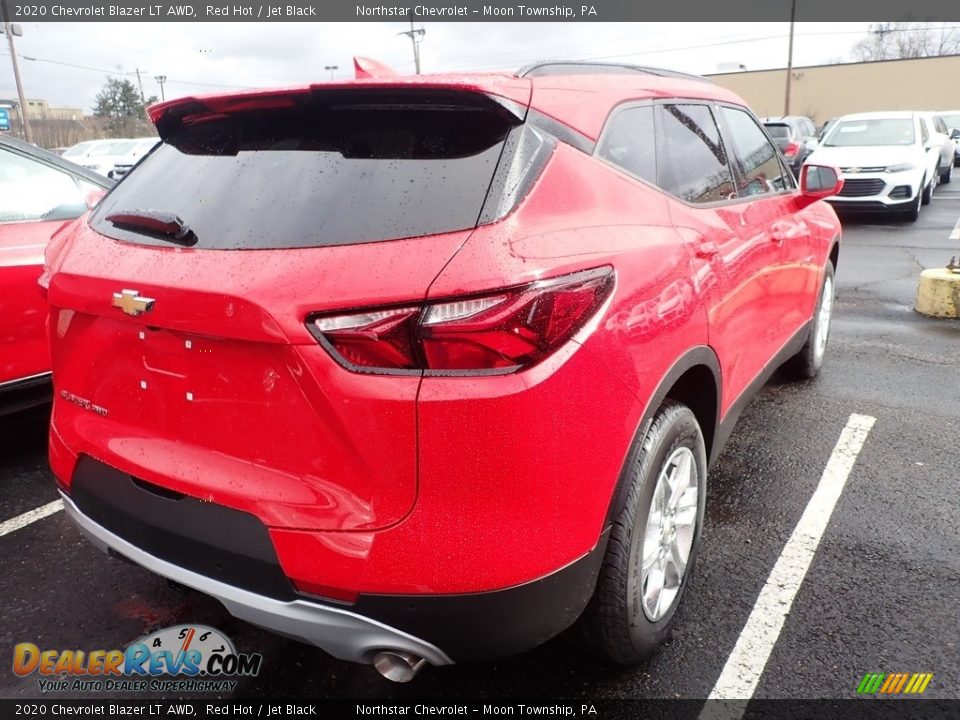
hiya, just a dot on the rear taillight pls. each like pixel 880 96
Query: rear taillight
pixel 791 149
pixel 494 333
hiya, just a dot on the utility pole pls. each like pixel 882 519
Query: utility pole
pixel 143 98
pixel 793 15
pixel 331 68
pixel 161 79
pixel 415 35
pixel 11 30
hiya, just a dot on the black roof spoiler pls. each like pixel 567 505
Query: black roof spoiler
pixel 545 68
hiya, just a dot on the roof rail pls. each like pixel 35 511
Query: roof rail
pixel 588 67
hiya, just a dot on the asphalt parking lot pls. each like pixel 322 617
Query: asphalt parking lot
pixel 881 593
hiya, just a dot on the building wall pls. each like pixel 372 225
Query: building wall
pixel 826 91
pixel 39 109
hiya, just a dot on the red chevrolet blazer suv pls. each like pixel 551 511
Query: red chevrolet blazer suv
pixel 430 369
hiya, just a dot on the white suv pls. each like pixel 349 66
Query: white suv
pixel 887 160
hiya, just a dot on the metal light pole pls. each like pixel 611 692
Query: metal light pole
pixel 415 35
pixel 161 79
pixel 331 68
pixel 143 98
pixel 793 15
pixel 10 31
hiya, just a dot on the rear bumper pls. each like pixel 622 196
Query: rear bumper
pixel 343 634
pixel 228 555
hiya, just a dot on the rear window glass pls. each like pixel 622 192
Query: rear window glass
pixel 778 131
pixel 330 171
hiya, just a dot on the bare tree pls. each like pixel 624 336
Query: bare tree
pixel 898 40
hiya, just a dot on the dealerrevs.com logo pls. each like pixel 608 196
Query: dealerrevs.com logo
pixel 183 658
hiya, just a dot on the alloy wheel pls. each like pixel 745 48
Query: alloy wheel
pixel 671 527
pixel 822 330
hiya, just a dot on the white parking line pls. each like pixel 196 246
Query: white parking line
pixel 955 235
pixel 743 669
pixel 31 516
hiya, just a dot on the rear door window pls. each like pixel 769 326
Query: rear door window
pixel 691 160
pixel 335 169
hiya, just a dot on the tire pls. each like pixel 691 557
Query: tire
pixel 620 624
pixel 913 214
pixel 927 193
pixel 806 364
pixel 947 174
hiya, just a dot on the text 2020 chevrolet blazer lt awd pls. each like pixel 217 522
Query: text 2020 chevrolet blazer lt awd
pixel 429 369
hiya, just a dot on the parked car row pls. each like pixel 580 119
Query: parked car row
pixel 891 161
pixel 110 158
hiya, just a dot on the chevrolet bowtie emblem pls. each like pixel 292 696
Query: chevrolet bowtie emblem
pixel 853 171
pixel 131 303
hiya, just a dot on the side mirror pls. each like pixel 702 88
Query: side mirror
pixel 955 134
pixel 819 181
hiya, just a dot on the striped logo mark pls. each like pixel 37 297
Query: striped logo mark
pixel 894 683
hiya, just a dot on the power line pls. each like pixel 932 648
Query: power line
pixel 699 46
pixel 115 72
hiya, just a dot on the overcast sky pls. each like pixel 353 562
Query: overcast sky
pixel 207 57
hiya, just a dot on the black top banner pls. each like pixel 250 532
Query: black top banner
pixel 478 11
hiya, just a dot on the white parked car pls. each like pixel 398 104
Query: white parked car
pixel 941 141
pixel 887 161
pixel 124 164
pixel 81 151
pixel 102 158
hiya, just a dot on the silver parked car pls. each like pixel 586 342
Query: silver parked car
pixel 939 141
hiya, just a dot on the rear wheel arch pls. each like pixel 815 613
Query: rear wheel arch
pixel 693 380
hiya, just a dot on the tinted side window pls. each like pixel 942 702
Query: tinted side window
pixel 30 190
pixel 691 160
pixel 629 142
pixel 760 169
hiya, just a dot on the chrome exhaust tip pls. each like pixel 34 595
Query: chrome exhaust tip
pixel 398 666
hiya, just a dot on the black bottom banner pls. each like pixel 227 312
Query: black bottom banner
pixel 864 708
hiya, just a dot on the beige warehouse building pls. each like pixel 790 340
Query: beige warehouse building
pixel 825 91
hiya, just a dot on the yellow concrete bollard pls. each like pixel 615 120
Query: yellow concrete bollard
pixel 939 293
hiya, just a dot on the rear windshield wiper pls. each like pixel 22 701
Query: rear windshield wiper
pixel 160 223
